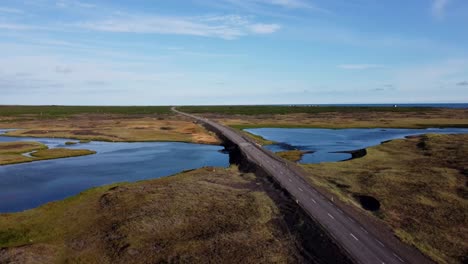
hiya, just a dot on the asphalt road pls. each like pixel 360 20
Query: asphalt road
pixel 360 243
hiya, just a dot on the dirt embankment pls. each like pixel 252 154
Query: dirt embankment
pixel 311 239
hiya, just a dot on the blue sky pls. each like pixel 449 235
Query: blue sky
pixel 155 52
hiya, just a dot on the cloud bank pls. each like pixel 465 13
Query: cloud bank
pixel 225 27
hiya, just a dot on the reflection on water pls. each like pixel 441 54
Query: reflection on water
pixel 326 144
pixel 28 185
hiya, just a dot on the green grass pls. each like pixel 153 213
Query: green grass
pixel 421 185
pixel 292 155
pixel 58 153
pixel 12 152
pixel 62 111
pixel 263 109
pixel 258 139
pixel 208 215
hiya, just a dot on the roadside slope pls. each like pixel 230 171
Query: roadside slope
pixel 421 184
pixel 211 214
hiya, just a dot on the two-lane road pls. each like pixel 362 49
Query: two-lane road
pixel 361 244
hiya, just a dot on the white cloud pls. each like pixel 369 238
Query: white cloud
pixel 226 27
pixel 73 3
pixel 10 26
pixel 264 28
pixel 10 10
pixel 287 3
pixel 359 66
pixel 292 4
pixel 433 76
pixel 438 8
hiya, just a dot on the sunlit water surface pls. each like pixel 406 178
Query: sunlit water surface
pixel 328 145
pixel 28 185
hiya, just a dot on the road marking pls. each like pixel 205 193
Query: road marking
pixel 378 241
pixel 398 257
pixel 290 180
pixel 365 231
pixel 351 219
pixel 313 200
pixel 331 216
pixel 339 210
pixel 354 237
pixel 300 189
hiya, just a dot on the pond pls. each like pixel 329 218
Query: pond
pixel 28 185
pixel 328 145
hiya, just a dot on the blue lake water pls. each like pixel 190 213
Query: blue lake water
pixel 327 144
pixel 438 105
pixel 28 185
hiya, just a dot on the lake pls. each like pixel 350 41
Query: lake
pixel 328 145
pixel 28 185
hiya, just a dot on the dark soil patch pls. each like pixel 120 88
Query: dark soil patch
pixel 40 132
pixel 355 154
pixel 86 133
pixel 15 146
pixel 367 202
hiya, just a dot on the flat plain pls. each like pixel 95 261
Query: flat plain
pixel 119 124
pixel 424 205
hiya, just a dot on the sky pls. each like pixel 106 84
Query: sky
pixel 191 52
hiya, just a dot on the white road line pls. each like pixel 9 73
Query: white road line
pixel 351 219
pixel 398 257
pixel 331 216
pixel 313 200
pixel 339 210
pixel 354 237
pixel 365 231
pixel 290 180
pixel 300 189
pixel 378 241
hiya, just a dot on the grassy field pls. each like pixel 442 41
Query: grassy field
pixel 63 111
pixel 283 110
pixel 292 155
pixel 421 184
pixel 11 152
pixel 211 214
pixel 120 124
pixel 241 117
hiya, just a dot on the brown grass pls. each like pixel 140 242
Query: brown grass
pixel 57 153
pixel 12 152
pixel 422 185
pixel 210 215
pixel 370 119
pixel 291 155
pixel 111 127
